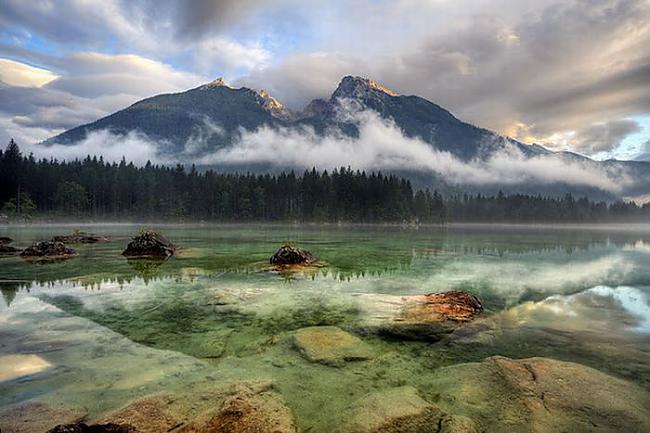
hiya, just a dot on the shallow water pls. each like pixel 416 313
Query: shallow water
pixel 99 330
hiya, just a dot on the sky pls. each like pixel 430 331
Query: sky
pixel 571 75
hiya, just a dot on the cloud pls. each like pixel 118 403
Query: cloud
pixel 535 70
pixel 134 147
pixel 22 75
pixel 604 136
pixel 93 85
pixel 381 145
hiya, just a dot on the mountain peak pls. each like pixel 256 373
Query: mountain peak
pixel 355 86
pixel 219 82
pixel 273 106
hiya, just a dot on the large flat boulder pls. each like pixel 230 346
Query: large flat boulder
pixel 540 395
pixel 330 345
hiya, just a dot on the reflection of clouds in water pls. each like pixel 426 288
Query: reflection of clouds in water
pixel 512 278
pixel 632 299
pixel 623 307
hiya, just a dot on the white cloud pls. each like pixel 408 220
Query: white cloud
pixel 381 145
pixel 134 147
pixel 20 74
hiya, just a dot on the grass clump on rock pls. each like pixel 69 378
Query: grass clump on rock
pixel 149 244
pixel 290 255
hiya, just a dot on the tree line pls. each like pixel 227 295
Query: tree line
pixel 92 188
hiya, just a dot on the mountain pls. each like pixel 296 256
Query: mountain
pixel 174 119
pixel 213 116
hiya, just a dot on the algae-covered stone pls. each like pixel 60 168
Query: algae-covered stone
pixel 397 410
pixel 330 345
pixel 542 395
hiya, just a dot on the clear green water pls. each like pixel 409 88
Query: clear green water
pixel 112 330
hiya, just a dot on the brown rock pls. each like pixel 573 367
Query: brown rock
pixel 423 317
pixel 435 307
pixel 246 411
pixel 153 414
pixel 38 417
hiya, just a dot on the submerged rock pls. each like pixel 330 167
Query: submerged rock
pixel 250 407
pixel 149 244
pixel 288 255
pixel 81 427
pixel 38 417
pixel 47 251
pixel 246 411
pixel 397 410
pixel 80 238
pixel 420 317
pixel 330 345
pixel 542 395
pixel 402 410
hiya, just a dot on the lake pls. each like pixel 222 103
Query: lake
pixel 99 330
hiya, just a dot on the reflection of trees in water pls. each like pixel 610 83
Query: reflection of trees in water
pixel 146 268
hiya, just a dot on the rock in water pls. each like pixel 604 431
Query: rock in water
pixel 435 307
pixel 93 428
pixel 48 251
pixel 288 255
pixel 330 345
pixel 5 240
pixel 80 238
pixel 420 317
pixel 246 411
pixel 397 410
pixel 542 395
pixel 149 244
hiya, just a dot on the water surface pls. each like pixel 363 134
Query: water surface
pixel 99 330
